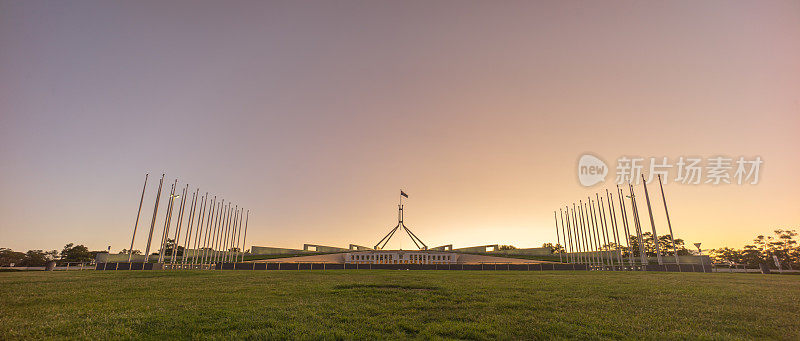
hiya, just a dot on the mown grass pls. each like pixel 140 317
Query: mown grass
pixel 387 304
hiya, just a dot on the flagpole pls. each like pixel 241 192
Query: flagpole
pixel 558 241
pixel 652 223
pixel 615 228
pixel 638 225
pixel 565 230
pixel 623 211
pixel 139 212
pixel 188 240
pixel 595 235
pixel 563 233
pixel 584 241
pixel 244 241
pixel 671 235
pixel 606 238
pixel 577 224
pixel 167 221
pixel 198 233
pixel 153 222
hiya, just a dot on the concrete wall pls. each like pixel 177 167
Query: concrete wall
pixel 473 249
pixel 323 248
pixel 265 250
pixel 359 247
pixel 534 251
pixel 448 247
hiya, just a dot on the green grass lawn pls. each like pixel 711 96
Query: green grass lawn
pixel 395 304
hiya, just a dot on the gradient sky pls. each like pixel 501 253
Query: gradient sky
pixel 314 114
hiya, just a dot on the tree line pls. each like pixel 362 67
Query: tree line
pixel 764 250
pixel 70 254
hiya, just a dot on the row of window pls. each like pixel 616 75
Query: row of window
pixel 402 262
pixel 414 257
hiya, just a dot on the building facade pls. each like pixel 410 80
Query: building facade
pixel 400 257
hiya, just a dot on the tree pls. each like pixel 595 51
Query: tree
pixel 506 247
pixel 727 255
pixel 135 252
pixel 782 245
pixel 8 257
pixel 75 253
pixel 38 257
pixel 557 248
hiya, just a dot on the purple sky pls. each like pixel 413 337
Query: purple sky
pixel 314 114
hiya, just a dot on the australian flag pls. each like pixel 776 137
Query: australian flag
pixel 403 193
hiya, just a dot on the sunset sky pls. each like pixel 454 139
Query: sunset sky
pixel 314 115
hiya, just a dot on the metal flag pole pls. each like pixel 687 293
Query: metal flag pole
pixel 233 235
pixel 212 243
pixel 224 233
pixel 206 231
pixel 135 225
pixel 178 226
pixel 189 228
pixel 226 239
pixel 232 240
pixel 671 235
pixel 565 231
pixel 207 239
pixel 239 236
pixel 628 236
pixel 577 257
pixel 244 241
pixel 652 223
pixel 587 244
pixel 167 221
pixel 587 256
pixel 198 233
pixel 577 225
pixel 208 210
pixel 220 230
pixel 153 222
pixel 589 211
pixel 558 241
pixel 215 234
pixel 638 225
pixel 615 228
pixel 594 234
pixel 606 238
pixel 586 233
pixel 596 223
